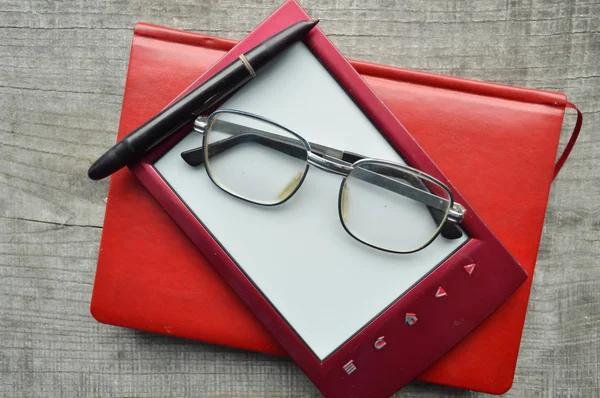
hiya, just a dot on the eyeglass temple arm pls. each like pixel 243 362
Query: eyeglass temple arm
pixel 195 157
pixel 434 203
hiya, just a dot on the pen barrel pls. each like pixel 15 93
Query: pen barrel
pixel 182 111
pixel 132 148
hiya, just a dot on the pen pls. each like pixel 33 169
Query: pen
pixel 135 145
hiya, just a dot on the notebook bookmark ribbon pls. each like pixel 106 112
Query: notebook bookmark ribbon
pixel 571 143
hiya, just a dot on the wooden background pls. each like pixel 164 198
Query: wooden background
pixel 62 72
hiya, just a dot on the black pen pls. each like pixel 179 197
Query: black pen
pixel 136 144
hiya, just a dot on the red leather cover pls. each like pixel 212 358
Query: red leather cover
pixel 486 138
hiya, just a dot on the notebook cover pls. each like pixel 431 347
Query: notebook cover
pixel 486 138
pixel 232 235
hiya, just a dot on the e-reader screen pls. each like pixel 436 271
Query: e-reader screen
pixel 324 283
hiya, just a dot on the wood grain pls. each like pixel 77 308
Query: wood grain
pixel 62 72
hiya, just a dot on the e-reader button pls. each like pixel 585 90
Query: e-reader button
pixel 440 292
pixel 411 318
pixel 350 367
pixel 380 343
pixel 469 268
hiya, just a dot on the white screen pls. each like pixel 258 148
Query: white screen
pixel 325 284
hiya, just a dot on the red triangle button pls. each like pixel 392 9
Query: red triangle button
pixel 469 268
pixel 440 293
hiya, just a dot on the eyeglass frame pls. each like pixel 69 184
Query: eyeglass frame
pixel 329 160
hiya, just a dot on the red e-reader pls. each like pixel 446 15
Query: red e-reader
pixel 359 321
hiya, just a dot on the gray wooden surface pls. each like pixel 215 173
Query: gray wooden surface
pixel 62 71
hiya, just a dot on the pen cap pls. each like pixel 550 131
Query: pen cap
pixel 270 48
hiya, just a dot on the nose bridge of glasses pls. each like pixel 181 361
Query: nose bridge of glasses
pixel 329 164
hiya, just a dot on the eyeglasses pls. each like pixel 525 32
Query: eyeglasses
pixel 383 204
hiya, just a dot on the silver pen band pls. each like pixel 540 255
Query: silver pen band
pixel 247 65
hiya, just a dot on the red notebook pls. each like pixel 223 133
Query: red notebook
pixel 497 144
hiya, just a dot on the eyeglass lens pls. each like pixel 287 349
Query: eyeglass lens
pixel 254 159
pixel 392 208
